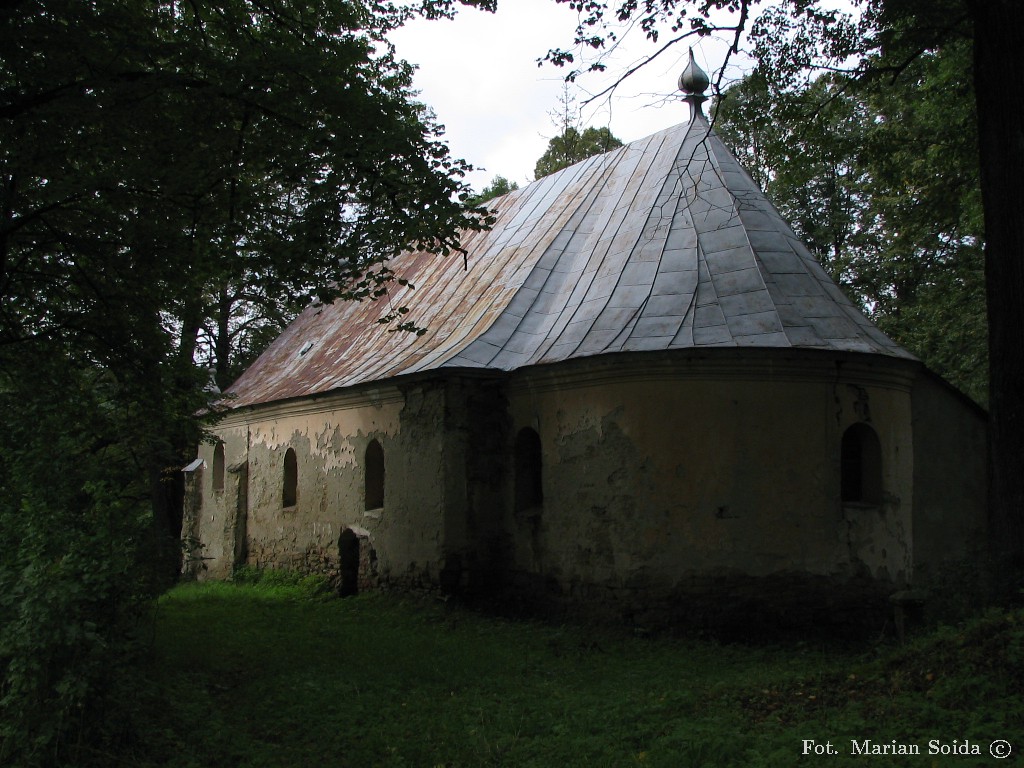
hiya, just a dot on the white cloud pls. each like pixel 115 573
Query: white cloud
pixel 479 73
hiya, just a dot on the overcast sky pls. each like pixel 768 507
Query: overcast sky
pixel 479 73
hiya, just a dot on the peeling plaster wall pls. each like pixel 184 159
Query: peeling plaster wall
pixel 329 437
pixel 215 519
pixel 683 480
pixel 657 476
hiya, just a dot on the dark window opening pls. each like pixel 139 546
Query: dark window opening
pixel 289 495
pixel 218 467
pixel 529 485
pixel 861 466
pixel 374 478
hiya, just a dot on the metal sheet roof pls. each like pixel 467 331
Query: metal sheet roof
pixel 665 243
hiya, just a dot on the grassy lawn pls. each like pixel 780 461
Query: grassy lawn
pixel 265 675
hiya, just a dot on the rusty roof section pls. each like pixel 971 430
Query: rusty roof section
pixel 665 243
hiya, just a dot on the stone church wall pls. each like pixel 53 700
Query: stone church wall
pixel 950 489
pixel 665 485
pixel 330 437
pixel 671 481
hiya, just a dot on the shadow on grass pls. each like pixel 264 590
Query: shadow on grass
pixel 279 675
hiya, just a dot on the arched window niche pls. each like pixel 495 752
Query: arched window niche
pixel 861 466
pixel 218 468
pixel 528 464
pixel 373 478
pixel 290 488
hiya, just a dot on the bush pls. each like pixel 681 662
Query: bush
pixel 67 626
pixel 77 569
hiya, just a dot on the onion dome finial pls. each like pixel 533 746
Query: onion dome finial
pixel 694 82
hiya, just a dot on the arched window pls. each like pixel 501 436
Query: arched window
pixel 289 493
pixel 861 465
pixel 529 486
pixel 218 467
pixel 374 476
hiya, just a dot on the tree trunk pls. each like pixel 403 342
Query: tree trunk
pixel 999 90
pixel 222 344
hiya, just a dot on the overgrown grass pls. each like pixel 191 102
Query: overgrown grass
pixel 278 674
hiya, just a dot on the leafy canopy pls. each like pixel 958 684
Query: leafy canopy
pixel 197 159
pixel 499 186
pixel 573 145
pixel 176 180
pixel 881 181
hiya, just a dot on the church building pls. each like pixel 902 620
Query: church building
pixel 640 395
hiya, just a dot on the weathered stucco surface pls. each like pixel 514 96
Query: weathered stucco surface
pixel 656 480
pixel 669 483
pixel 950 488
pixel 330 437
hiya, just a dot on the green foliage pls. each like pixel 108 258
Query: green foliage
pixel 499 186
pixel 77 559
pixel 276 680
pixel 192 174
pixel 571 146
pixel 176 180
pixel 881 182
